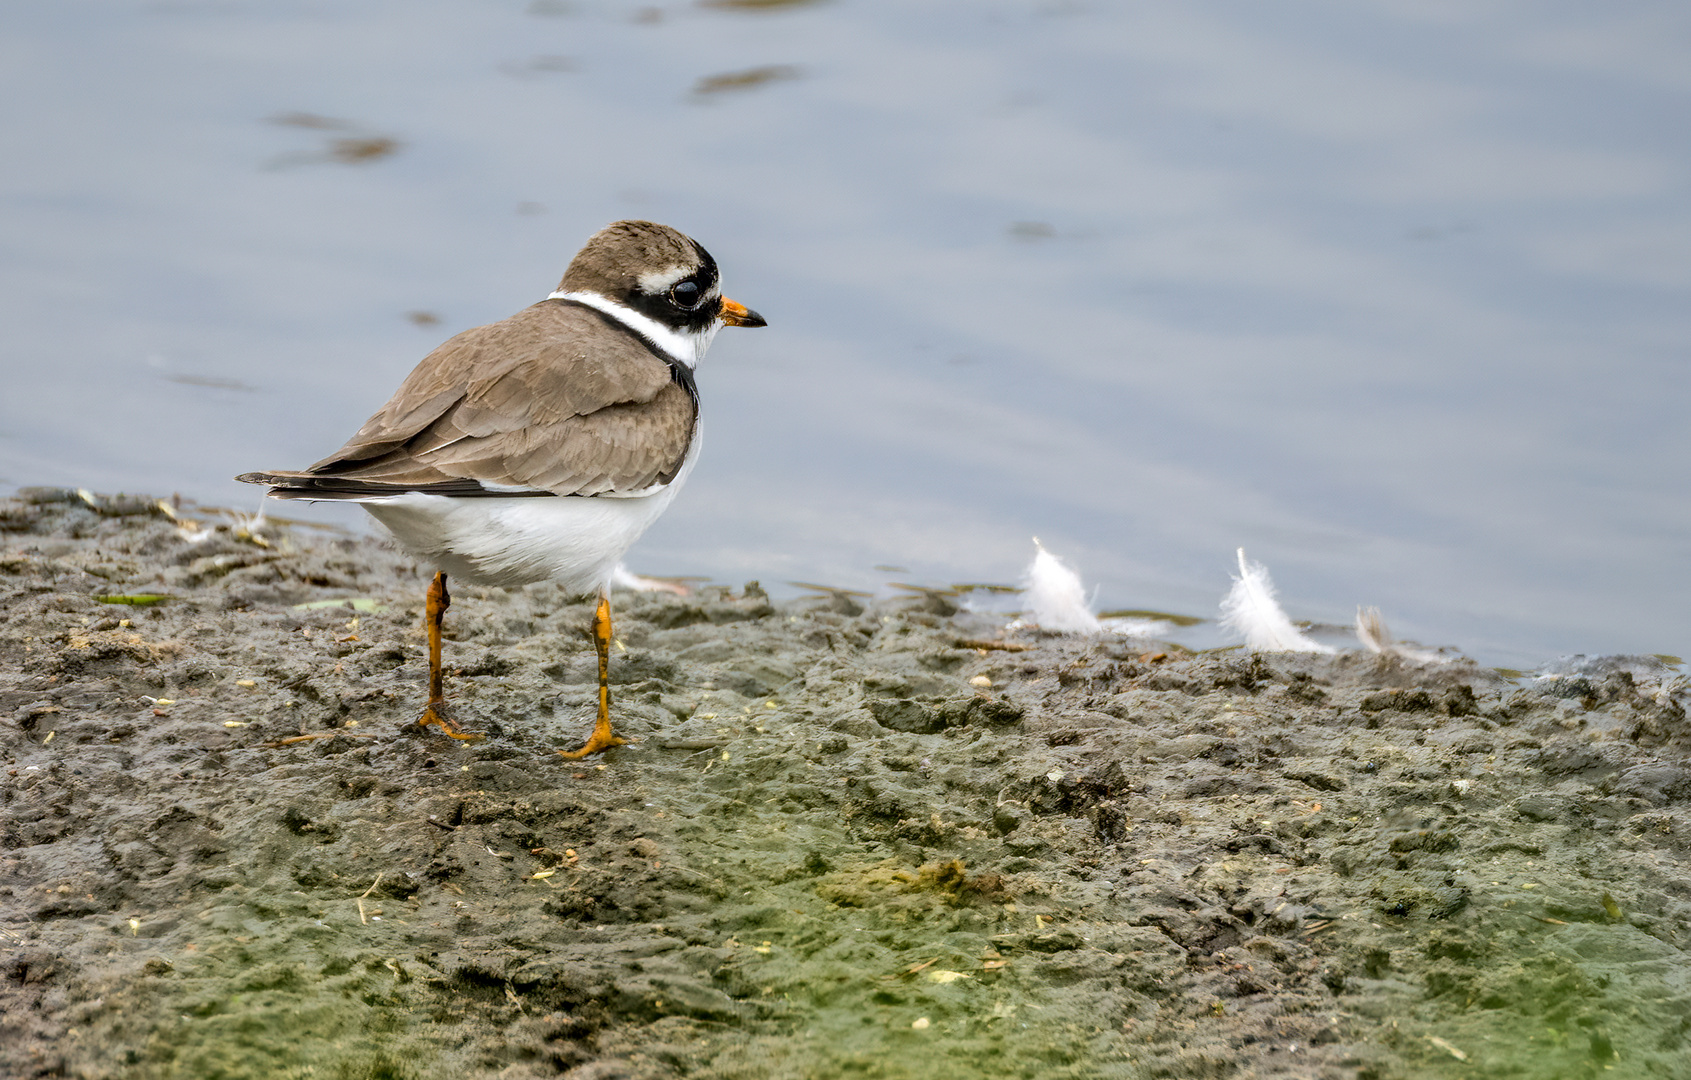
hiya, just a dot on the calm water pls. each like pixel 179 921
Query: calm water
pixel 1392 293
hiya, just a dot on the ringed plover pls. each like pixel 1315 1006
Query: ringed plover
pixel 541 447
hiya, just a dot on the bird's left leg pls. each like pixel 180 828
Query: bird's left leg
pixel 434 713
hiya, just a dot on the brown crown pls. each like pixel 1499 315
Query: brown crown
pixel 615 257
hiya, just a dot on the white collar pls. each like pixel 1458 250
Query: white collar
pixel 679 345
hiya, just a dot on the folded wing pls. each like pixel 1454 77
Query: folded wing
pixel 559 399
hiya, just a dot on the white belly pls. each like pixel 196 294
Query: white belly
pixel 574 541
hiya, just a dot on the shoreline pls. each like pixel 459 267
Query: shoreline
pixel 834 851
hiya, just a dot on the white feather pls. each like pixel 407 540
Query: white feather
pixel 1249 609
pixel 1129 626
pixel 624 578
pixel 1371 631
pixel 1056 600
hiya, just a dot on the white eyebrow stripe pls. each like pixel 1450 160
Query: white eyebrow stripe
pixel 658 282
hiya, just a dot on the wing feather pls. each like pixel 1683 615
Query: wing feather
pixel 523 402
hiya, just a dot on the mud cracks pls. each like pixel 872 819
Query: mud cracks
pixel 847 844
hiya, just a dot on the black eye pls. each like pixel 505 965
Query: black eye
pixel 686 294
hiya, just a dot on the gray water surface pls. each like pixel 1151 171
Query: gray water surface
pixel 1392 294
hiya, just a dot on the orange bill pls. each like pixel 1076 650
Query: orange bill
pixel 734 313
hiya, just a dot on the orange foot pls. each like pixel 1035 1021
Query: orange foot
pixel 434 717
pixel 603 738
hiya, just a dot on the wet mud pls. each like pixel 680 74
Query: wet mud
pixel 852 841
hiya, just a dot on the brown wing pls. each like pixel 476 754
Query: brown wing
pixel 557 399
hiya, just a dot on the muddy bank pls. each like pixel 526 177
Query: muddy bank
pixel 850 843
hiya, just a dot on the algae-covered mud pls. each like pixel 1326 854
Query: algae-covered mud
pixel 882 841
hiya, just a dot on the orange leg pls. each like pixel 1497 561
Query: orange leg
pixel 434 712
pixel 602 738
